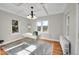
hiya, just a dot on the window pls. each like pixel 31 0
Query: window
pixel 45 26
pixel 15 26
pixel 67 26
pixel 38 26
pixel 42 26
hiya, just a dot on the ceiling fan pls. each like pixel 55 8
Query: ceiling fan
pixel 31 15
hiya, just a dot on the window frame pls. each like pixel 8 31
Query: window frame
pixel 41 26
pixel 67 19
pixel 14 33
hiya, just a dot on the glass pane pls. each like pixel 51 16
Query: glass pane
pixel 45 23
pixel 39 28
pixel 45 28
pixel 15 26
pixel 67 30
pixel 38 23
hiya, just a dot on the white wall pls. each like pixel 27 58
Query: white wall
pixel 33 25
pixel 78 18
pixel 71 9
pixel 55 23
pixel 6 26
pixel 78 35
pixel 78 32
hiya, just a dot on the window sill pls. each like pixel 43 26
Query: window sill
pixel 15 33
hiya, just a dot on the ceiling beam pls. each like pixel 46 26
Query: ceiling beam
pixel 44 8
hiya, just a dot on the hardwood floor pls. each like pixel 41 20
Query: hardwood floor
pixel 2 52
pixel 56 48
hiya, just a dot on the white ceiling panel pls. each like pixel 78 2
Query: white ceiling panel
pixel 55 8
pixel 40 9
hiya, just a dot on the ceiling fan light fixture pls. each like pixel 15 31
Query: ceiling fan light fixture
pixel 32 15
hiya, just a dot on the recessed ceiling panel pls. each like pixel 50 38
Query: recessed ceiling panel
pixel 40 10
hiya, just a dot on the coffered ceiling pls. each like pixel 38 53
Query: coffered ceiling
pixel 40 9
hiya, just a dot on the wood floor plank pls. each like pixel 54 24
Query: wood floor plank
pixel 56 48
pixel 2 52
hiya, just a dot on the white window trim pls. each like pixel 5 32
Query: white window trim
pixel 41 26
pixel 66 25
pixel 18 28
